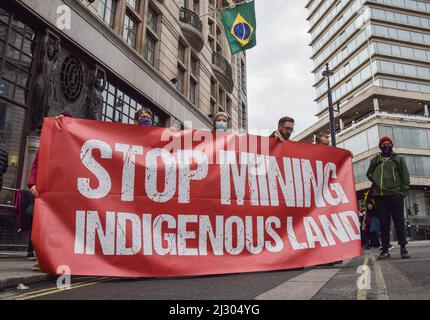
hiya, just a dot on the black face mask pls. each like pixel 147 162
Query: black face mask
pixel 386 150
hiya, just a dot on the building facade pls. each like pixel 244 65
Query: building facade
pixel 379 52
pixel 103 60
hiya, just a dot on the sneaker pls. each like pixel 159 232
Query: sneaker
pixel 404 253
pixel 384 255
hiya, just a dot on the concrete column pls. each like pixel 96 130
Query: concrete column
pixel 376 104
pixel 141 27
pixel 341 124
pixel 118 22
pixel 426 110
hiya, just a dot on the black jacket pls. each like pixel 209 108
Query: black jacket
pixel 4 154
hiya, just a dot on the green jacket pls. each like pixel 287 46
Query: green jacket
pixel 389 178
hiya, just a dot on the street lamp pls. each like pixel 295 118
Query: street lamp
pixel 327 73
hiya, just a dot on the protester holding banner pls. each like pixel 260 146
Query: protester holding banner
pixel 389 175
pixel 143 117
pixel 32 180
pixel 322 138
pixel 220 121
pixel 285 129
pixel 136 209
pixel 4 155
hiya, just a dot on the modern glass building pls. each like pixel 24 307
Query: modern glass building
pixel 379 51
pixel 169 55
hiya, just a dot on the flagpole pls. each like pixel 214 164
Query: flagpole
pixel 219 10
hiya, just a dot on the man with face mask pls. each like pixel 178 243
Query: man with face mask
pixel 389 175
pixel 220 121
pixel 143 117
pixel 285 129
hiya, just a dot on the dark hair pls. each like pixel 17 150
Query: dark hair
pixel 140 111
pixel 322 135
pixel 285 119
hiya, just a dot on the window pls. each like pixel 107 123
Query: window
pixel 181 78
pixel 243 76
pixel 15 62
pixel 193 91
pixel 221 99
pixel 360 170
pixel 152 19
pixel 187 73
pixel 134 4
pixel 151 41
pixel 407 52
pixel 106 11
pixel 195 6
pixel 130 30
pixel 194 66
pixel 418 166
pixel 181 53
pixel 120 106
pixel 194 80
pixel 213 88
pixel 150 45
pixel 243 117
pixel 211 27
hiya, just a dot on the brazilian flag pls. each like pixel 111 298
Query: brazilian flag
pixel 240 26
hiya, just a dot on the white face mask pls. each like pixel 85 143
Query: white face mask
pixel 221 126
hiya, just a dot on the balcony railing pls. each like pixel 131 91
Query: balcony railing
pixel 378 114
pixel 222 63
pixel 189 17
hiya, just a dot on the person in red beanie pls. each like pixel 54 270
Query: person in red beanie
pixel 389 175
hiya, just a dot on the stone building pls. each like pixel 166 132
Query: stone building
pixel 105 59
pixel 379 51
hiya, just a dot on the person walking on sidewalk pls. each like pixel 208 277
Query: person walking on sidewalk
pixel 389 175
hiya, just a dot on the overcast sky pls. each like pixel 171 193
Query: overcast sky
pixel 279 67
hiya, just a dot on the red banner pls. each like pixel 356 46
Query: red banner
pixel 126 200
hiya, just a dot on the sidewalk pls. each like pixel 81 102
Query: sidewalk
pixel 15 268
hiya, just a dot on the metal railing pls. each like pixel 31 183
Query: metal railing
pixel 189 17
pixel 379 114
pixel 13 200
pixel 223 64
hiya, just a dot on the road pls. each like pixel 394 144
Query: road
pixel 382 280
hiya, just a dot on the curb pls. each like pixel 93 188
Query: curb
pixel 14 282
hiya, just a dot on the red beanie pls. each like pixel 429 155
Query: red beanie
pixel 385 139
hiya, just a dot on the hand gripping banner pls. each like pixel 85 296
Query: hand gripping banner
pixel 134 201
